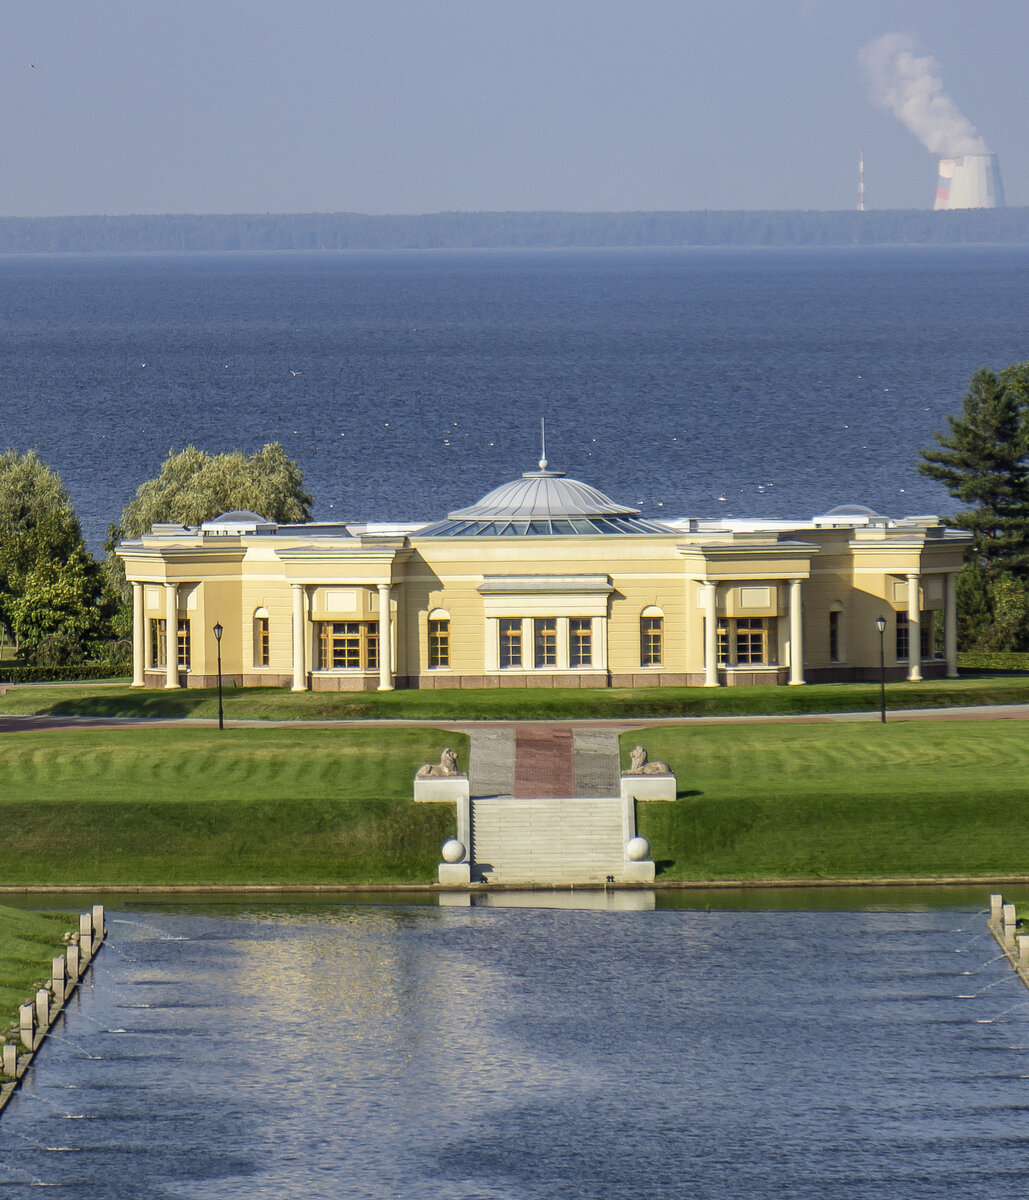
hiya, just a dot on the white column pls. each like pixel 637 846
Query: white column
pixel 711 636
pixel 796 634
pixel 563 648
pixel 171 636
pixel 138 637
pixel 950 624
pixel 599 635
pixel 385 644
pixel 914 631
pixel 299 652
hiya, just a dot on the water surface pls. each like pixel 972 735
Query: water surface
pixel 379 1051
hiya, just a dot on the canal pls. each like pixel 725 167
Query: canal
pixel 761 1045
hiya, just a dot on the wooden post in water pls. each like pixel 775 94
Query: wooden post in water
pixel 98 923
pixel 1008 924
pixel 1022 941
pixel 996 906
pixel 73 962
pixel 10 1059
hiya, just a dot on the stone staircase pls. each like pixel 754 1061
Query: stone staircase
pixel 547 841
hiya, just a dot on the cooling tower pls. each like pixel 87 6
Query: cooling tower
pixel 969 182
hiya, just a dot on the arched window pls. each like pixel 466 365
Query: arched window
pixel 262 638
pixel 652 636
pixel 439 639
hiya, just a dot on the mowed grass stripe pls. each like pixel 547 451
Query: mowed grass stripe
pixel 841 801
pixel 166 806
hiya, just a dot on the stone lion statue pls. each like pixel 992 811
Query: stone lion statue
pixel 446 768
pixel 638 764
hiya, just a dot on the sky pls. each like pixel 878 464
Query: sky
pixel 407 106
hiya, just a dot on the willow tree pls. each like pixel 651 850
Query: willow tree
pixel 194 486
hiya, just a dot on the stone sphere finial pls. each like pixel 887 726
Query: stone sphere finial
pixel 453 851
pixel 637 849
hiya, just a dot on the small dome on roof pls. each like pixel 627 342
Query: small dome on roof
pixel 851 510
pixel 238 515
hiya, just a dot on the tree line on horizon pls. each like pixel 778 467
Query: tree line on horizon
pixel 256 232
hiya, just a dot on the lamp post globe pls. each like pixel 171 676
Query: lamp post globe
pixel 218 631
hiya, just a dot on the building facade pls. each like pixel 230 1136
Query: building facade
pixel 544 582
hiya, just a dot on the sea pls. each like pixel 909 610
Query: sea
pixel 684 382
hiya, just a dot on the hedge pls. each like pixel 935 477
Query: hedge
pixel 982 660
pixel 54 674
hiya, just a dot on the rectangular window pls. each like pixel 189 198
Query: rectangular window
pixel 182 642
pixel 439 643
pixel 510 642
pixel 580 641
pixel 651 639
pixel 348 645
pixel 902 637
pixel 722 642
pixel 544 635
pixel 158 643
pixel 262 642
pixel 751 640
pixel 927 635
pixel 834 637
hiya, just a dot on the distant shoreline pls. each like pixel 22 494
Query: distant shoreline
pixel 250 232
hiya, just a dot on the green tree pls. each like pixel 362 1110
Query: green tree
pixel 59 611
pixel 51 590
pixel 981 462
pixel 194 487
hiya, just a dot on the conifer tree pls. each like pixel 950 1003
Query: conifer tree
pixel 981 461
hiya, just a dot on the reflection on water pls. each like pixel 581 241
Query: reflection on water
pixel 384 1051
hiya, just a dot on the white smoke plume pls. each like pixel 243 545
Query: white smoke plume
pixel 908 84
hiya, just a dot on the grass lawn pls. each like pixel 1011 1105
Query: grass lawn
pixel 823 801
pixel 509 703
pixel 170 806
pixel 28 941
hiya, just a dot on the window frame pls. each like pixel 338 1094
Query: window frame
pixel 652 640
pixel 509 637
pixel 438 643
pixel 354 640
pixel 580 642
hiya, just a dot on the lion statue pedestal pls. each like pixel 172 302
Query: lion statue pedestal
pixel 645 780
pixel 441 782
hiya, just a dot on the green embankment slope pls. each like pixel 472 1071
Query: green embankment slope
pixel 193 806
pixel 918 799
pixel 28 943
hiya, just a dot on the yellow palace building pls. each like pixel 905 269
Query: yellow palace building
pixel 544 582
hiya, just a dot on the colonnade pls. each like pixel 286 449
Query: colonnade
pixel 796 624
pixel 301 637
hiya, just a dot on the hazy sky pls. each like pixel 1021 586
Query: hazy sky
pixel 400 106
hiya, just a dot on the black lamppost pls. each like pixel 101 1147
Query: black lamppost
pixel 218 631
pixel 880 624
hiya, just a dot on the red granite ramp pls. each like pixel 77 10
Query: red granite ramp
pixel 544 763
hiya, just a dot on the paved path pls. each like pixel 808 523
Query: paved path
pixel 985 712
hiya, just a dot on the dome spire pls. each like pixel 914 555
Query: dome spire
pixel 543 443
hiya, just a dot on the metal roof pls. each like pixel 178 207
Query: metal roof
pixel 543 503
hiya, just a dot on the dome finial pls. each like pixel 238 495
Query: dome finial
pixel 543 443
